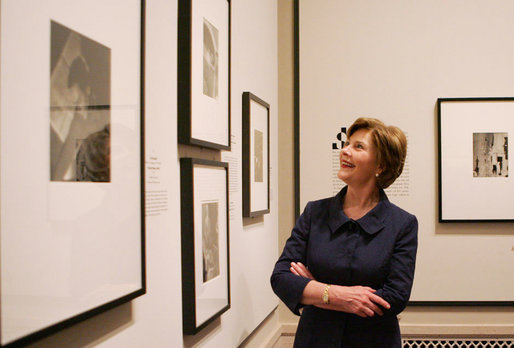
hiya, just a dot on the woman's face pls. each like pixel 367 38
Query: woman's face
pixel 357 159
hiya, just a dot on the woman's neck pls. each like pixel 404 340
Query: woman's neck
pixel 358 201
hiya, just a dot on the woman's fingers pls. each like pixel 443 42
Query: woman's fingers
pixel 299 269
pixel 364 312
pixel 374 308
pixel 296 269
pixel 380 301
pixel 305 270
pixel 293 270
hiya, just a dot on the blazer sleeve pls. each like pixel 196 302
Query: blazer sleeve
pixel 288 286
pixel 397 287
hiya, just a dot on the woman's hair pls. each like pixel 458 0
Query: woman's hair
pixel 391 145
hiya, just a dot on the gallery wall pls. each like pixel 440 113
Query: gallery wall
pixel 155 319
pixel 393 60
pixel 372 59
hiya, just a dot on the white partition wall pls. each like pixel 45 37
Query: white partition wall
pixel 392 60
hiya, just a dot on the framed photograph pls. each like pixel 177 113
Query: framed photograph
pixel 204 73
pixel 256 190
pixel 72 152
pixel 475 181
pixel 205 238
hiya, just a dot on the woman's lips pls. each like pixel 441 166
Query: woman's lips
pixel 347 164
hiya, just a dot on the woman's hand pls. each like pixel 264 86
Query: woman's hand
pixel 359 300
pixel 299 269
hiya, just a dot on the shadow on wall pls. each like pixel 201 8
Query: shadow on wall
pixel 253 221
pixel 91 332
pixel 201 337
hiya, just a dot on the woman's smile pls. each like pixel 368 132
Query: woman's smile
pixel 346 164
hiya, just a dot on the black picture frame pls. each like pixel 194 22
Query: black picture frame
pixel 256 156
pixel 117 297
pixel 205 269
pixel 473 158
pixel 203 117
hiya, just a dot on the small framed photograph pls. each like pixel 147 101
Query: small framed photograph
pixel 475 181
pixel 256 187
pixel 205 236
pixel 204 73
pixel 72 153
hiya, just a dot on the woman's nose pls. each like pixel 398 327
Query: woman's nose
pixel 345 151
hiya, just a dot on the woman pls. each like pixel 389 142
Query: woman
pixel 349 262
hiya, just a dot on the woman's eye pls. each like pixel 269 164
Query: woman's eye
pixel 359 146
pixel 346 144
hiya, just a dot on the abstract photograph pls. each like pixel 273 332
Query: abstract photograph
pixel 210 238
pixel 80 104
pixel 490 155
pixel 258 156
pixel 210 60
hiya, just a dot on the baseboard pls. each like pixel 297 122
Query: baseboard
pixel 424 331
pixel 435 330
pixel 289 329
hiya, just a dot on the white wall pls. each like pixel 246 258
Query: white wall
pixel 392 60
pixel 155 319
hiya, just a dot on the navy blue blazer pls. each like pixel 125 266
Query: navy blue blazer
pixel 377 250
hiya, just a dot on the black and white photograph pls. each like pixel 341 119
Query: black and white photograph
pixel 258 156
pixel 203 93
pixel 490 155
pixel 204 239
pixel 80 102
pixel 256 147
pixel 474 180
pixel 210 237
pixel 210 59
pixel 73 174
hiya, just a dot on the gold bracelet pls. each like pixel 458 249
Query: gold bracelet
pixel 325 297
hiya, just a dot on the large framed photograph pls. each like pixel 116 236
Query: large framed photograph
pixel 205 238
pixel 204 73
pixel 475 182
pixel 256 173
pixel 72 150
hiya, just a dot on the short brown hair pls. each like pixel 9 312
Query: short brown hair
pixel 391 145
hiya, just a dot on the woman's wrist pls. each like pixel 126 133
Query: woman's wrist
pixel 325 297
pixel 313 293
